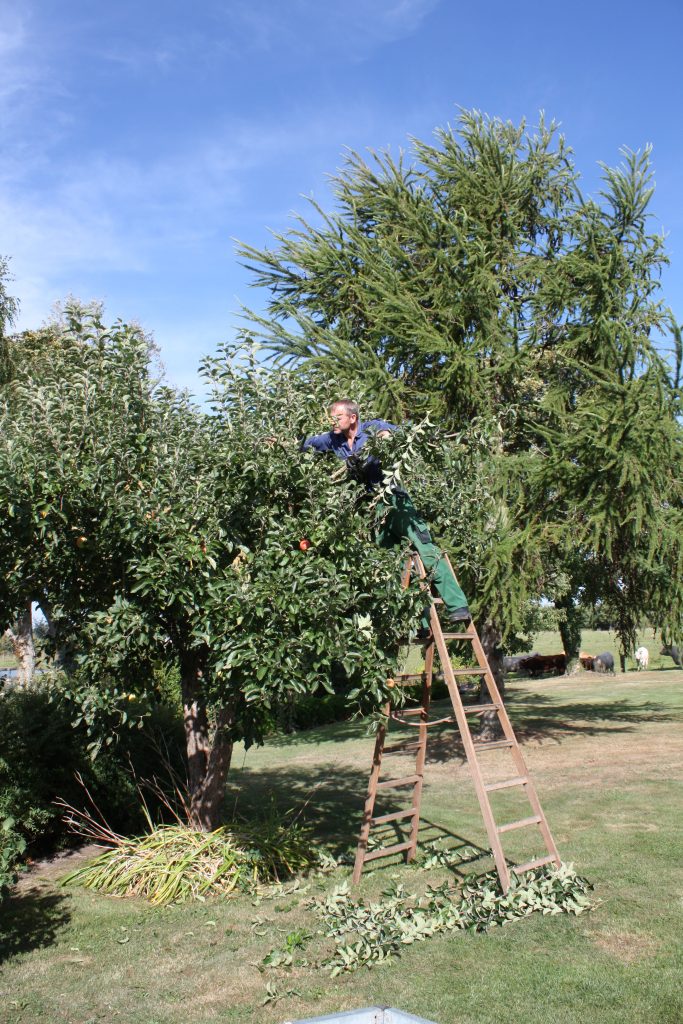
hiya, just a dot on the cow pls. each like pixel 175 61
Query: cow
pixel 642 658
pixel 513 662
pixel 604 662
pixel 586 661
pixel 673 652
pixel 541 664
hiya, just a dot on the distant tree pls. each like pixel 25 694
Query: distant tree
pixel 19 631
pixel 477 284
pixel 9 306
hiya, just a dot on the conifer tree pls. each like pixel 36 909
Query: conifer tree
pixel 474 282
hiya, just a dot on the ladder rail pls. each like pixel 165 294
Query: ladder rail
pixel 370 800
pixel 471 754
pixel 422 751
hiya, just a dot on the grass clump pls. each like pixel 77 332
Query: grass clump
pixel 173 863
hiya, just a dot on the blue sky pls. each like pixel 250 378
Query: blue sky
pixel 140 139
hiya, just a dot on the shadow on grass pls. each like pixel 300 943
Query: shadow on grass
pixel 550 721
pixel 329 796
pixel 30 921
pixel 338 732
pixel 330 802
pixel 535 716
pixel 332 795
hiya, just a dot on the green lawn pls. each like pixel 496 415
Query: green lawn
pixel 606 754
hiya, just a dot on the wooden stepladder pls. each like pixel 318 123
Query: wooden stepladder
pixel 515 773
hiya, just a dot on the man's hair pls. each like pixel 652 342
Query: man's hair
pixel 350 407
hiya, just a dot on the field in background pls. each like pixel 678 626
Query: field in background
pixel 597 641
pixel 593 641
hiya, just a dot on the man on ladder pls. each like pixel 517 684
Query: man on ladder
pixel 402 521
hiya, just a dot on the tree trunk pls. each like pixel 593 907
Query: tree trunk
pixel 63 655
pixel 570 633
pixel 21 637
pixel 208 757
pixel 490 636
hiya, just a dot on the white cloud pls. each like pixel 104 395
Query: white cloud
pixel 351 29
pixel 15 75
pixel 402 17
pixel 108 215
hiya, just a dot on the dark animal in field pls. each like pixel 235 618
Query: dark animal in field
pixel 603 662
pixel 543 664
pixel 513 662
pixel 673 652
pixel 586 661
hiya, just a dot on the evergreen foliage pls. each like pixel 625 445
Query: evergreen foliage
pixel 475 282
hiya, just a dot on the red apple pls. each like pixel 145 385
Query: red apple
pixel 304 544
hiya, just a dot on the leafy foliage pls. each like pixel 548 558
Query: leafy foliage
pixel 41 752
pixel 8 311
pixel 369 934
pixel 157 534
pixel 12 847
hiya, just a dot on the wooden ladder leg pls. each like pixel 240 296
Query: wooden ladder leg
pixel 370 798
pixel 516 752
pixel 470 752
pixel 421 750
pixel 522 779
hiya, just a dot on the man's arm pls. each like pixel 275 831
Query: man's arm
pixel 319 442
pixel 382 427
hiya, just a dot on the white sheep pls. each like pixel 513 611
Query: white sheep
pixel 642 658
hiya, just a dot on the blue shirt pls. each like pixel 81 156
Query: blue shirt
pixel 337 443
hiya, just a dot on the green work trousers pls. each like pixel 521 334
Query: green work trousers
pixel 401 522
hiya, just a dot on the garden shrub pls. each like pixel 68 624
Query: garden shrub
pixel 41 753
pixel 323 709
pixel 12 847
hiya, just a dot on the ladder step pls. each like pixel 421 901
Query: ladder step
pixel 396 816
pixel 479 709
pixel 403 712
pixel 428 722
pixel 387 851
pixel 530 864
pixel 495 745
pixel 469 671
pixel 406 780
pixel 522 823
pixel 520 780
pixel 459 636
